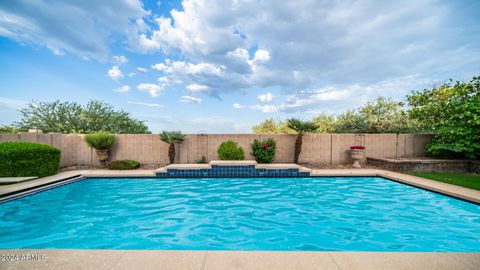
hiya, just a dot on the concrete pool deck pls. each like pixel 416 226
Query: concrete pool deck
pixel 210 260
pixel 215 260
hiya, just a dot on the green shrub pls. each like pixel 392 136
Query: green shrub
pixel 452 112
pixel 123 165
pixel 230 151
pixel 28 159
pixel 264 151
pixel 99 140
pixel 203 160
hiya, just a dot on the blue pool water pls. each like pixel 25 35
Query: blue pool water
pixel 335 213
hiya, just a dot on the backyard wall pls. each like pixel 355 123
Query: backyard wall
pixel 317 149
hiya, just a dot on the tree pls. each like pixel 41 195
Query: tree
pixel 326 123
pixel 301 127
pixel 270 126
pixel 172 137
pixel 71 117
pixel 9 129
pixel 453 113
pixel 350 122
pixel 383 115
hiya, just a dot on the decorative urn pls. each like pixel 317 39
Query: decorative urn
pixel 357 153
pixel 102 155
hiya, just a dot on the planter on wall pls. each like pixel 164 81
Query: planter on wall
pixel 102 155
pixel 357 155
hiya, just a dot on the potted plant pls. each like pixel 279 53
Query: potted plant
pixel 357 152
pixel 172 137
pixel 101 142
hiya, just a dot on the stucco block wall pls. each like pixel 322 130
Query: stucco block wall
pixel 318 149
pixel 145 148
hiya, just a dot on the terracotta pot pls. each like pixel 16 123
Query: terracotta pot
pixel 102 155
pixel 357 155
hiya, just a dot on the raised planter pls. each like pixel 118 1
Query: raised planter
pixel 425 165
pixel 475 166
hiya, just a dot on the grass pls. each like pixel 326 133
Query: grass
pixel 459 179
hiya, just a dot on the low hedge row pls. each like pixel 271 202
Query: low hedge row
pixel 28 159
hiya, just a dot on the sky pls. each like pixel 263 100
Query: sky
pixel 220 66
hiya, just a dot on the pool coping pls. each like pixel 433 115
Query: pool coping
pixel 212 260
pixel 8 192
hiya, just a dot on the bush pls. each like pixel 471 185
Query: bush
pixel 452 111
pixel 230 151
pixel 123 165
pixel 99 140
pixel 203 160
pixel 28 159
pixel 264 151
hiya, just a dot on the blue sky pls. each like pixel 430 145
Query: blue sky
pixel 223 66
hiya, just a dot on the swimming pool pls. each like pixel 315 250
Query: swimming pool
pixel 292 214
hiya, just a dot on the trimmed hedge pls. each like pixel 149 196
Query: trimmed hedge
pixel 28 159
pixel 230 151
pixel 123 165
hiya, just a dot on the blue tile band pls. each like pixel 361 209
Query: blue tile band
pixel 232 172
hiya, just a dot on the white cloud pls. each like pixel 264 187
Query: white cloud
pixel 80 27
pixel 257 107
pixel 145 104
pixel 120 59
pixel 268 97
pixel 12 103
pixel 336 99
pixel 154 90
pixel 142 69
pixel 115 73
pixel 265 108
pixel 159 67
pixel 190 99
pixel 310 44
pixel 141 25
pixel 131 74
pixel 238 106
pixel 123 89
pixel 184 68
pixel 168 81
pixel 196 88
pixel 261 56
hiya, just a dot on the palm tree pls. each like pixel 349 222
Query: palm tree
pixel 172 137
pixel 301 127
